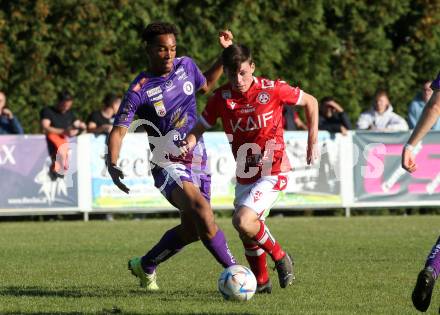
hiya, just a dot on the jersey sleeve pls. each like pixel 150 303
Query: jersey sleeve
pixel 73 116
pixel 45 114
pixel 211 112
pixel 289 94
pixel 435 85
pixel 93 117
pixel 130 103
pixel 199 78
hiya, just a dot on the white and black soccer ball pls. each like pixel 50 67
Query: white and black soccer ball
pixel 237 283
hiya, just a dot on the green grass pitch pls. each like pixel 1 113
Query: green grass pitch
pixel 360 265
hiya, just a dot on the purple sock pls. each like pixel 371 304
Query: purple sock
pixel 169 245
pixel 433 259
pixel 220 250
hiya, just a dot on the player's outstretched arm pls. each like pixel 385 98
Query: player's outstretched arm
pixel 114 147
pixel 312 113
pixel 192 138
pixel 213 74
pixel 430 114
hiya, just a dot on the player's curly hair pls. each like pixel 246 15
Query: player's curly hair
pixel 158 28
pixel 234 55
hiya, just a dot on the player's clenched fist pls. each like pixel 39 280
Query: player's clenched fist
pixel 408 161
pixel 225 38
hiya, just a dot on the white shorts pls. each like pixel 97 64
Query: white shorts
pixel 261 195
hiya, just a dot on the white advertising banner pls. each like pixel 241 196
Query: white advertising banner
pixel 309 186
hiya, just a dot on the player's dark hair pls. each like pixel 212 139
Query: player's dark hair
pixel 65 96
pixel 234 55
pixel 109 99
pixel 327 99
pixel 379 93
pixel 158 28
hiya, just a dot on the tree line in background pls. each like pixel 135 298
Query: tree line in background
pixel 343 48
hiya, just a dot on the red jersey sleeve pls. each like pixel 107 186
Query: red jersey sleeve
pixel 212 111
pixel 289 94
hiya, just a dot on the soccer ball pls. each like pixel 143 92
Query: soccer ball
pixel 237 283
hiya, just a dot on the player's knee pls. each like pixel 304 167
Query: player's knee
pixel 206 227
pixel 195 207
pixel 204 214
pixel 245 222
pixel 240 222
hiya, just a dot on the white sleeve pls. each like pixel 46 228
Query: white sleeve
pixel 397 123
pixel 364 121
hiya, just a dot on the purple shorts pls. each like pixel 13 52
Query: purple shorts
pixel 436 83
pixel 166 179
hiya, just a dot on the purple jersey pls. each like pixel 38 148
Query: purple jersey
pixel 166 105
pixel 436 83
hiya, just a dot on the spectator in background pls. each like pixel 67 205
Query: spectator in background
pixel 9 124
pixel 332 117
pixel 418 103
pixel 59 123
pixel 101 121
pixel 381 116
pixel 291 119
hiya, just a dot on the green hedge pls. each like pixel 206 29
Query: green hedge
pixel 344 48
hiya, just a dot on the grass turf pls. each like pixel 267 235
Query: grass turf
pixel 361 265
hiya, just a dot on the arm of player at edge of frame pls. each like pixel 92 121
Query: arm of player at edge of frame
pixel 430 114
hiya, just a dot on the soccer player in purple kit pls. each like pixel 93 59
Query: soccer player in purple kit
pixel 164 98
pixel 422 292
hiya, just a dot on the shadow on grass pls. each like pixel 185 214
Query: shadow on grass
pixel 20 291
pixel 164 296
pixel 44 313
pixel 179 295
pixel 109 312
pixel 118 311
pixel 94 291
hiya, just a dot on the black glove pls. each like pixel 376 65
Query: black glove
pixel 116 174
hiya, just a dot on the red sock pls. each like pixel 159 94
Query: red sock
pixel 268 243
pixel 256 258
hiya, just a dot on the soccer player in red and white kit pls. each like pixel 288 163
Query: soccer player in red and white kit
pixel 251 112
